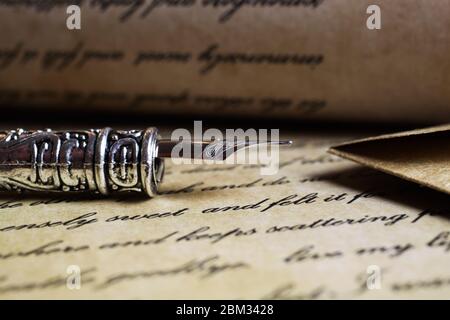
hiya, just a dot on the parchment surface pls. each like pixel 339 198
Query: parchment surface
pixel 301 59
pixel 322 228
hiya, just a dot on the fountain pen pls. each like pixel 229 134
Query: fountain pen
pixel 101 161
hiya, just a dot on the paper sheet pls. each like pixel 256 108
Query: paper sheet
pixel 322 228
pixel 288 59
pixel 421 155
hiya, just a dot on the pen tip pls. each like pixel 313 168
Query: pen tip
pixel 284 142
pixel 212 150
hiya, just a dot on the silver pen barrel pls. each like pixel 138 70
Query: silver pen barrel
pixel 98 160
pixel 103 161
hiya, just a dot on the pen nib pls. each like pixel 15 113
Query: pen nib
pixel 209 150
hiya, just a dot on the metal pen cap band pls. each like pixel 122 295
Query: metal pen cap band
pixel 103 161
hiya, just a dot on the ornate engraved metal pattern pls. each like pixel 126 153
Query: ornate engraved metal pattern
pixel 97 160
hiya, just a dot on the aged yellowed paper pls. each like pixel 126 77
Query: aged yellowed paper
pixel 322 228
pixel 288 59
